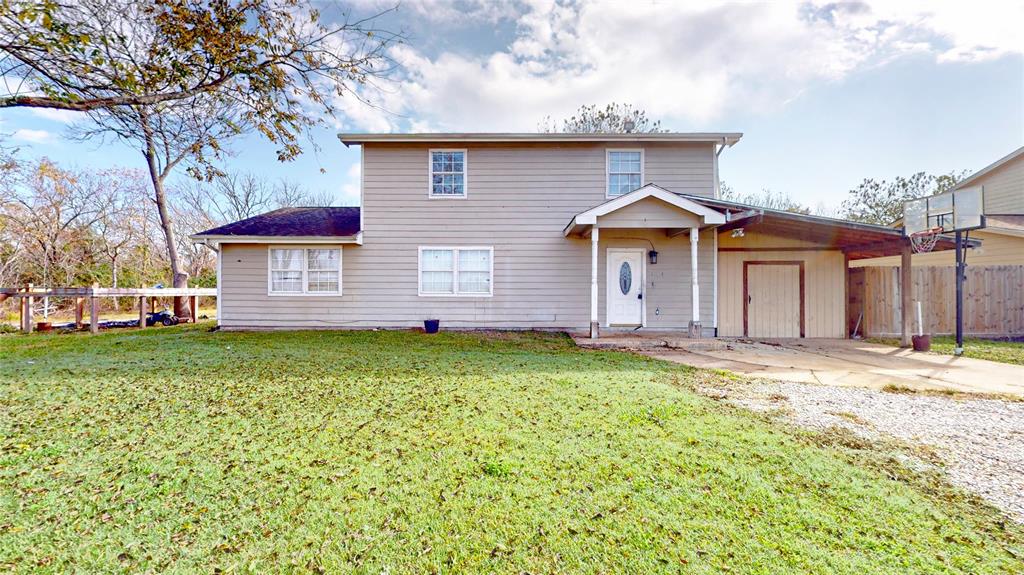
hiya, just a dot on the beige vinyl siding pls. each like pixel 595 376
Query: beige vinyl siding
pixel 824 287
pixel 519 200
pixel 996 249
pixel 649 212
pixel 1004 188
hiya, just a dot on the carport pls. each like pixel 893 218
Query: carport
pixel 809 253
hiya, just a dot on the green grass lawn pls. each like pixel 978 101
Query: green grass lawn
pixel 1002 351
pixel 179 450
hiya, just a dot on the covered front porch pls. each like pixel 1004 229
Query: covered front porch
pixel 700 266
pixel 652 262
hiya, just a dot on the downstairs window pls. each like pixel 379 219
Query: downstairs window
pixel 305 271
pixel 456 271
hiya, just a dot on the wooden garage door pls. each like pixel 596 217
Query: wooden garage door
pixel 773 299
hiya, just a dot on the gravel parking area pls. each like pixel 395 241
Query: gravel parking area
pixel 980 441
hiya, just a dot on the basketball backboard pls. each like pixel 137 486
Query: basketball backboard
pixel 956 210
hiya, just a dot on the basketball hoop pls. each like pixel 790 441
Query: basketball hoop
pixel 957 211
pixel 925 240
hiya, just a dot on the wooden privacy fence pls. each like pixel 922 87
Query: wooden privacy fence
pixel 993 300
pixel 82 295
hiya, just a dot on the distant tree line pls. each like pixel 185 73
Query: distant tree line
pixel 872 201
pixel 63 226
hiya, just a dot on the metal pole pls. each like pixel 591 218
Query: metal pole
pixel 959 349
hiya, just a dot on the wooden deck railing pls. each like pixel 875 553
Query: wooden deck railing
pixel 92 294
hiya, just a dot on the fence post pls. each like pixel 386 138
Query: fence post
pixel 21 313
pixel 94 310
pixel 79 311
pixel 142 312
pixel 27 315
pixel 193 307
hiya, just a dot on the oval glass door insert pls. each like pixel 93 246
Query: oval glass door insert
pixel 625 278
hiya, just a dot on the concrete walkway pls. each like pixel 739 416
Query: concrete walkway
pixel 826 361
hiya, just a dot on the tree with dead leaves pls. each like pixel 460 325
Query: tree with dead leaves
pixel 179 78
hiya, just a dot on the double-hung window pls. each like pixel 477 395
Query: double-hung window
pixel 305 271
pixel 456 271
pixel 447 173
pixel 625 171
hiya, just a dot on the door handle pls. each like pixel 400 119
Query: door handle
pixel 749 299
pixel 639 296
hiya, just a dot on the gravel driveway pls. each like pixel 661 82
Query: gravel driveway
pixel 980 441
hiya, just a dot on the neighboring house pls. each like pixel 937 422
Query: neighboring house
pixel 1002 240
pixel 543 231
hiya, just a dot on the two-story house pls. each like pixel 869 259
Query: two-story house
pixel 542 231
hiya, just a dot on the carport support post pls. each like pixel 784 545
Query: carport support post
pixel 694 285
pixel 594 326
pixel 906 295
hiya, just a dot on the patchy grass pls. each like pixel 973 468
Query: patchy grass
pixel 851 417
pixel 992 350
pixel 951 393
pixel 180 450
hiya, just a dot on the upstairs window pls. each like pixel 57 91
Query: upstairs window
pixel 625 171
pixel 305 271
pixel 447 173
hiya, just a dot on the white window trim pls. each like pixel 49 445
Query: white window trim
pixel 608 168
pixel 455 272
pixel 430 174
pixel 305 270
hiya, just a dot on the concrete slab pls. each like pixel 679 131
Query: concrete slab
pixel 827 361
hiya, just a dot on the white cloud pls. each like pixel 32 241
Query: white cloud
pixel 62 116
pixel 350 189
pixel 33 136
pixel 452 13
pixel 689 64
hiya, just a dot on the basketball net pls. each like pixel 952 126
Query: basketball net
pixel 924 240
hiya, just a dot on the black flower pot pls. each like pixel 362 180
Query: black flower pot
pixel 431 325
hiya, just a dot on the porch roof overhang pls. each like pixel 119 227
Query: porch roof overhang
pixel 856 239
pixel 582 222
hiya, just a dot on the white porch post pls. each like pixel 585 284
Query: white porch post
pixel 694 285
pixel 594 326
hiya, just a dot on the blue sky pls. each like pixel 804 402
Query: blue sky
pixel 825 94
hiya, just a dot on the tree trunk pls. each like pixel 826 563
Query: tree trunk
pixel 179 277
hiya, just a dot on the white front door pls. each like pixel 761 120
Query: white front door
pixel 625 286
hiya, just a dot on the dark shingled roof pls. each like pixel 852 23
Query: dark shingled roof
pixel 294 222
